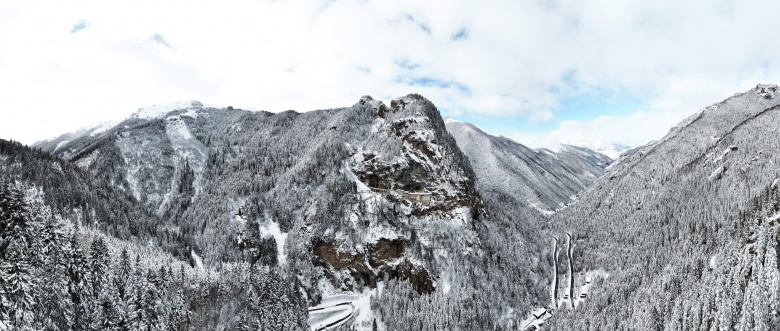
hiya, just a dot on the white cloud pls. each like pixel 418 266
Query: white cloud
pixel 632 130
pixel 518 59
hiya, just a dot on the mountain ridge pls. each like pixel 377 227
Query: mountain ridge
pixel 663 218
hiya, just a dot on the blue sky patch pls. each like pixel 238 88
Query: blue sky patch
pixel 463 33
pixel 421 25
pixel 78 26
pixel 578 107
pixel 406 64
pixel 158 38
pixel 434 82
pixel 584 107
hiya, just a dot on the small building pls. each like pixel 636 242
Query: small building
pixel 539 313
pixel 421 197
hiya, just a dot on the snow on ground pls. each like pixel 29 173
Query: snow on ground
pixel 598 273
pixel 103 127
pixel 325 317
pixel 717 173
pixel 725 153
pixel 157 111
pixel 541 210
pixel 197 259
pixel 603 147
pixel 538 316
pixel 535 320
pixel 713 261
pixel 187 148
pixel 271 228
pixel 344 308
pixel 60 144
pixel 87 161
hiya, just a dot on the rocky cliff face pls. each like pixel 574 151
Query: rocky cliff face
pixel 423 158
pixel 340 185
pixel 382 260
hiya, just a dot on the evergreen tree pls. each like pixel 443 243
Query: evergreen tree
pixel 76 274
pixel 99 264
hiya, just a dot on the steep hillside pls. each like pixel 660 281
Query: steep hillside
pixel 539 179
pixel 686 228
pixel 346 199
pixel 609 149
pixel 92 202
pixel 76 254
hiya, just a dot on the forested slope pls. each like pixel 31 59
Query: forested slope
pixel 539 179
pixel 686 228
pixel 332 198
pixel 75 254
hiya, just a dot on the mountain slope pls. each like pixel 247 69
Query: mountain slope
pixel 345 199
pixel 609 149
pixel 686 227
pixel 77 254
pixel 74 194
pixel 539 179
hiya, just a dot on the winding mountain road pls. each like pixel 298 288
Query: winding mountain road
pixel 332 312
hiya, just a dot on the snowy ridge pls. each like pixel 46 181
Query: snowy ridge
pixel 541 179
pixel 613 150
pixel 103 127
pixel 158 111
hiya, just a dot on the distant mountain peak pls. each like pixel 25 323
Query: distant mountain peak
pixel 157 111
pixel 613 150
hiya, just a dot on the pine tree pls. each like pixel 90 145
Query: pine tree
pixel 122 279
pixel 136 311
pixel 152 302
pixel 99 263
pixel 76 274
pixel 17 252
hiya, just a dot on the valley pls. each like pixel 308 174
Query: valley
pixel 389 217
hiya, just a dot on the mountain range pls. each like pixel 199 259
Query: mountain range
pixel 388 217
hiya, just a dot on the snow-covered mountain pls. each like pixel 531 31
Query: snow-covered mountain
pixel 613 150
pixel 540 179
pixel 384 215
pixel 347 199
pixel 686 227
pixel 149 112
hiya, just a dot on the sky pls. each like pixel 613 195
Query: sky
pixel 540 72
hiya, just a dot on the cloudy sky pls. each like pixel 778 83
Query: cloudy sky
pixel 541 72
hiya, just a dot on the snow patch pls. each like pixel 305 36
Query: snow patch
pixel 60 144
pixel 187 148
pixel 612 150
pixel 718 173
pixel 713 261
pixel 103 127
pixel 541 210
pixel 157 111
pixel 87 161
pixel 271 228
pixel 352 309
pixel 198 260
pixel 725 153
